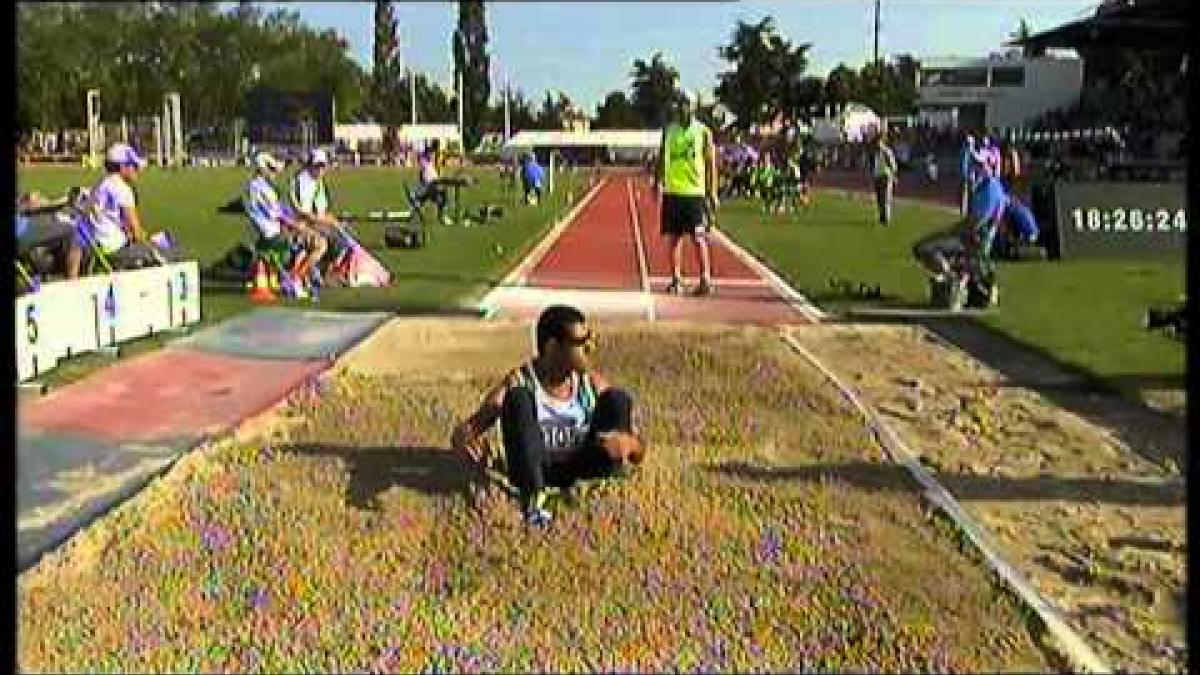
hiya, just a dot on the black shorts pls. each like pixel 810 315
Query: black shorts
pixel 683 214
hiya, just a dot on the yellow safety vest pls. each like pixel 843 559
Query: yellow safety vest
pixel 683 159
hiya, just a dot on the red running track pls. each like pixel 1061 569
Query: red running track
pixel 597 250
pixel 600 250
pixel 725 264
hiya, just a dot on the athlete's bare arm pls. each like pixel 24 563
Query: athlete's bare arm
pixel 468 437
pixel 710 176
pixel 618 444
pixel 659 162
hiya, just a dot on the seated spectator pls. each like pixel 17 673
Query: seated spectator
pixel 276 228
pixel 45 226
pixel 532 178
pixel 109 222
pixel 310 194
pixel 429 189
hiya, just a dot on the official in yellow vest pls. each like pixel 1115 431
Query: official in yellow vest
pixel 687 178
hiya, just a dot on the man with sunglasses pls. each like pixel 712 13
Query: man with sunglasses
pixel 560 420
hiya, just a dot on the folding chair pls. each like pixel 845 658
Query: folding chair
pixel 30 282
pixel 95 256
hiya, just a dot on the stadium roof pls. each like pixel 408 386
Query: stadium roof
pixel 1148 24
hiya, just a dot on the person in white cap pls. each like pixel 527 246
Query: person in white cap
pixel 310 194
pixel 276 227
pixel 109 217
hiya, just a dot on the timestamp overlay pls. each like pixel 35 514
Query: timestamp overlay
pixel 1116 219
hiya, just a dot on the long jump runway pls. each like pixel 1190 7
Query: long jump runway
pixel 610 260
pixel 85 448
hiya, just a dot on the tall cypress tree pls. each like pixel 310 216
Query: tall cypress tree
pixel 471 61
pixel 385 66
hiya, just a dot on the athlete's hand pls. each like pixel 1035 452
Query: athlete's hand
pixel 468 442
pixel 620 445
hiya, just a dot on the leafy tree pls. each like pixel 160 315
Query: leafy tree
pixel 134 53
pixel 765 80
pixel 552 115
pixel 654 84
pixel 841 85
pixel 472 64
pixel 617 112
pixel 886 88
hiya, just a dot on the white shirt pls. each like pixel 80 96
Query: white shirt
pixel 103 211
pixel 885 162
pixel 308 194
pixel 564 423
pixel 428 170
pixel 263 207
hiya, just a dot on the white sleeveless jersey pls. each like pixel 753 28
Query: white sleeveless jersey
pixel 564 423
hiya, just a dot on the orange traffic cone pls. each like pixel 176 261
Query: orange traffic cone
pixel 261 292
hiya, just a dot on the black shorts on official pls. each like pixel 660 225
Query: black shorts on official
pixel 683 214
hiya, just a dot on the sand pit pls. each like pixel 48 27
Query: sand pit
pixel 350 539
pixel 1098 529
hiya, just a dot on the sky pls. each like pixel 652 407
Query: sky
pixel 586 49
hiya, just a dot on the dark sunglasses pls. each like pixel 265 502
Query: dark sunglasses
pixel 588 342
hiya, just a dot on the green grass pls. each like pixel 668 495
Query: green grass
pixel 1084 313
pixel 452 272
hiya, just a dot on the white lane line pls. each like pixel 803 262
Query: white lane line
pixel 719 282
pixel 793 297
pixel 898 452
pixel 517 275
pixel 643 270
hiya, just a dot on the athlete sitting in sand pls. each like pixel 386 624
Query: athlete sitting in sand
pixel 560 420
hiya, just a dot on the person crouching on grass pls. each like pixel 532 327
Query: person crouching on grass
pixel 560 420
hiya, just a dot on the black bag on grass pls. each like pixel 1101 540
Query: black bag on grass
pixel 233 266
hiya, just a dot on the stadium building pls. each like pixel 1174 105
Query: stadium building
pixel 995 92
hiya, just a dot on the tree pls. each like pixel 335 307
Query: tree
pixel 1020 35
pixel 765 80
pixel 805 96
pixel 521 114
pixel 552 115
pixel 887 88
pixel 654 85
pixel 386 86
pixel 472 64
pixel 841 85
pixel 617 112
pixel 134 53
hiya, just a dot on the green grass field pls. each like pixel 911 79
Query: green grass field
pixel 1083 313
pixel 458 266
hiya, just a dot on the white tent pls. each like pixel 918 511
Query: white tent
pixel 620 141
pixel 854 124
